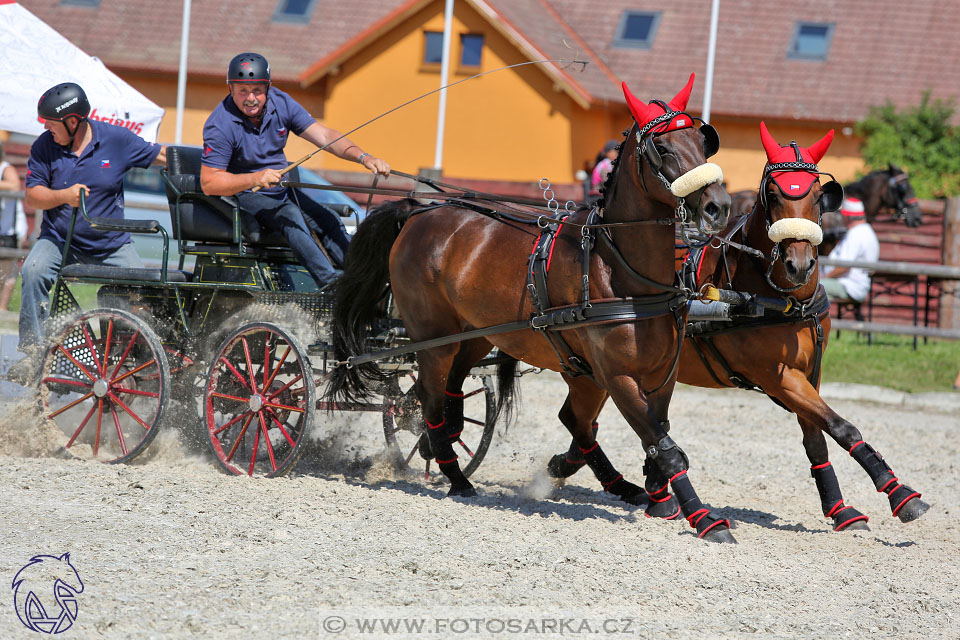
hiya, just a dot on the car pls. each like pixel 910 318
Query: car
pixel 145 199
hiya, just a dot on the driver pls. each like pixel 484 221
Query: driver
pixel 243 141
pixel 74 154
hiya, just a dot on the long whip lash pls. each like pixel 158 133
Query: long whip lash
pixel 565 62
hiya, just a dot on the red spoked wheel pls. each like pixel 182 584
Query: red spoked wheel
pixel 403 426
pixel 259 400
pixel 105 382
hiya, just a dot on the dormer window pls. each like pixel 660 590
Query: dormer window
pixel 811 41
pixel 294 11
pixel 637 29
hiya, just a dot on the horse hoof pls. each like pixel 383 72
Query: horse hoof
pixel 636 499
pixel 912 510
pixel 559 467
pixel 465 491
pixel 856 525
pixel 668 509
pixel 720 535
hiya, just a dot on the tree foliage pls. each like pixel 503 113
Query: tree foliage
pixel 920 139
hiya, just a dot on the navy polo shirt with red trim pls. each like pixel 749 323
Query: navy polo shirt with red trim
pixel 101 166
pixel 232 142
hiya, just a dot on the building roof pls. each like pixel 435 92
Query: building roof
pixel 880 49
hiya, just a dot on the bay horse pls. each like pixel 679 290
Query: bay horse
pixel 771 253
pixel 461 266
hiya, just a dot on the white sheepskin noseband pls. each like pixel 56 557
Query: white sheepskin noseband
pixel 696 178
pixel 796 229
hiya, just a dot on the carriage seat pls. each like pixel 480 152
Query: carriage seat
pixel 99 271
pixel 212 219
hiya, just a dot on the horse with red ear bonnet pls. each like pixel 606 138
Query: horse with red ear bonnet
pixel 599 291
pixel 778 352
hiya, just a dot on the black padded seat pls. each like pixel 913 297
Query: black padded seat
pixel 209 219
pixel 106 272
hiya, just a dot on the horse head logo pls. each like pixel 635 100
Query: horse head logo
pixel 32 587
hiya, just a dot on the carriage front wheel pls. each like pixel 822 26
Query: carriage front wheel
pixel 259 400
pixel 105 382
pixel 403 425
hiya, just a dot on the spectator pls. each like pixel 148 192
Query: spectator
pixel 74 155
pixel 858 244
pixel 602 168
pixel 13 229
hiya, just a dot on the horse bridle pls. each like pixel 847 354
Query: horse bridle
pixel 830 200
pixel 647 149
pixel 903 204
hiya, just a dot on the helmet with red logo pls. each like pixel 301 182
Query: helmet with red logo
pixel 248 67
pixel 65 99
pixel 62 101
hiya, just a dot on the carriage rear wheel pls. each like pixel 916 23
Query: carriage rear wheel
pixel 259 400
pixel 403 426
pixel 106 383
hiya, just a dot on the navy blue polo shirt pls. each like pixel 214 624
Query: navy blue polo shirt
pixel 232 142
pixel 112 151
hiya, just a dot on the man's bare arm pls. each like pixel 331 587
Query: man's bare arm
pixel 40 197
pixel 220 182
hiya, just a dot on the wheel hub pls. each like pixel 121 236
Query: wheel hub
pixel 256 402
pixel 100 388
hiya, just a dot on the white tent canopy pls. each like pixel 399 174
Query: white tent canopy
pixel 35 57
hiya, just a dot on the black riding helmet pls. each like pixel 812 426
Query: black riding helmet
pixel 62 101
pixel 248 67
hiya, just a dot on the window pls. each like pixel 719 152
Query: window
pixel 294 11
pixel 637 29
pixel 471 46
pixel 80 3
pixel 811 41
pixel 433 47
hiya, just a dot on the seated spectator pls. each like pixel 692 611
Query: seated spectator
pixel 858 244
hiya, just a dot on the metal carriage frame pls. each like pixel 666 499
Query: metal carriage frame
pixel 238 345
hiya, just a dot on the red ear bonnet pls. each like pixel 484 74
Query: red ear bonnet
pixel 645 113
pixel 793 183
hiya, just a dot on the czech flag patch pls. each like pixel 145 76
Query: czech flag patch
pixel 104 164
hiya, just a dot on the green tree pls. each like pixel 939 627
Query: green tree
pixel 920 139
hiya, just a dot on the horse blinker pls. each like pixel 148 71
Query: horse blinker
pixel 711 140
pixel 832 196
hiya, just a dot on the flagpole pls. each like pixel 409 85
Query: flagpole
pixel 182 74
pixel 444 70
pixel 711 55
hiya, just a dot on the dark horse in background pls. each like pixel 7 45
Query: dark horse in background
pixel 883 192
pixel 778 353
pixel 458 267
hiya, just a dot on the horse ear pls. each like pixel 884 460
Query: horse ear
pixel 893 168
pixel 819 148
pixel 771 146
pixel 679 102
pixel 637 108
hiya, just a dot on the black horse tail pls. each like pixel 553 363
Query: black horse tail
pixel 361 298
pixel 508 391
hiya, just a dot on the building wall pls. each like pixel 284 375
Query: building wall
pixel 508 125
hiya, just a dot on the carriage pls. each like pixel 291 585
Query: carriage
pixel 239 344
